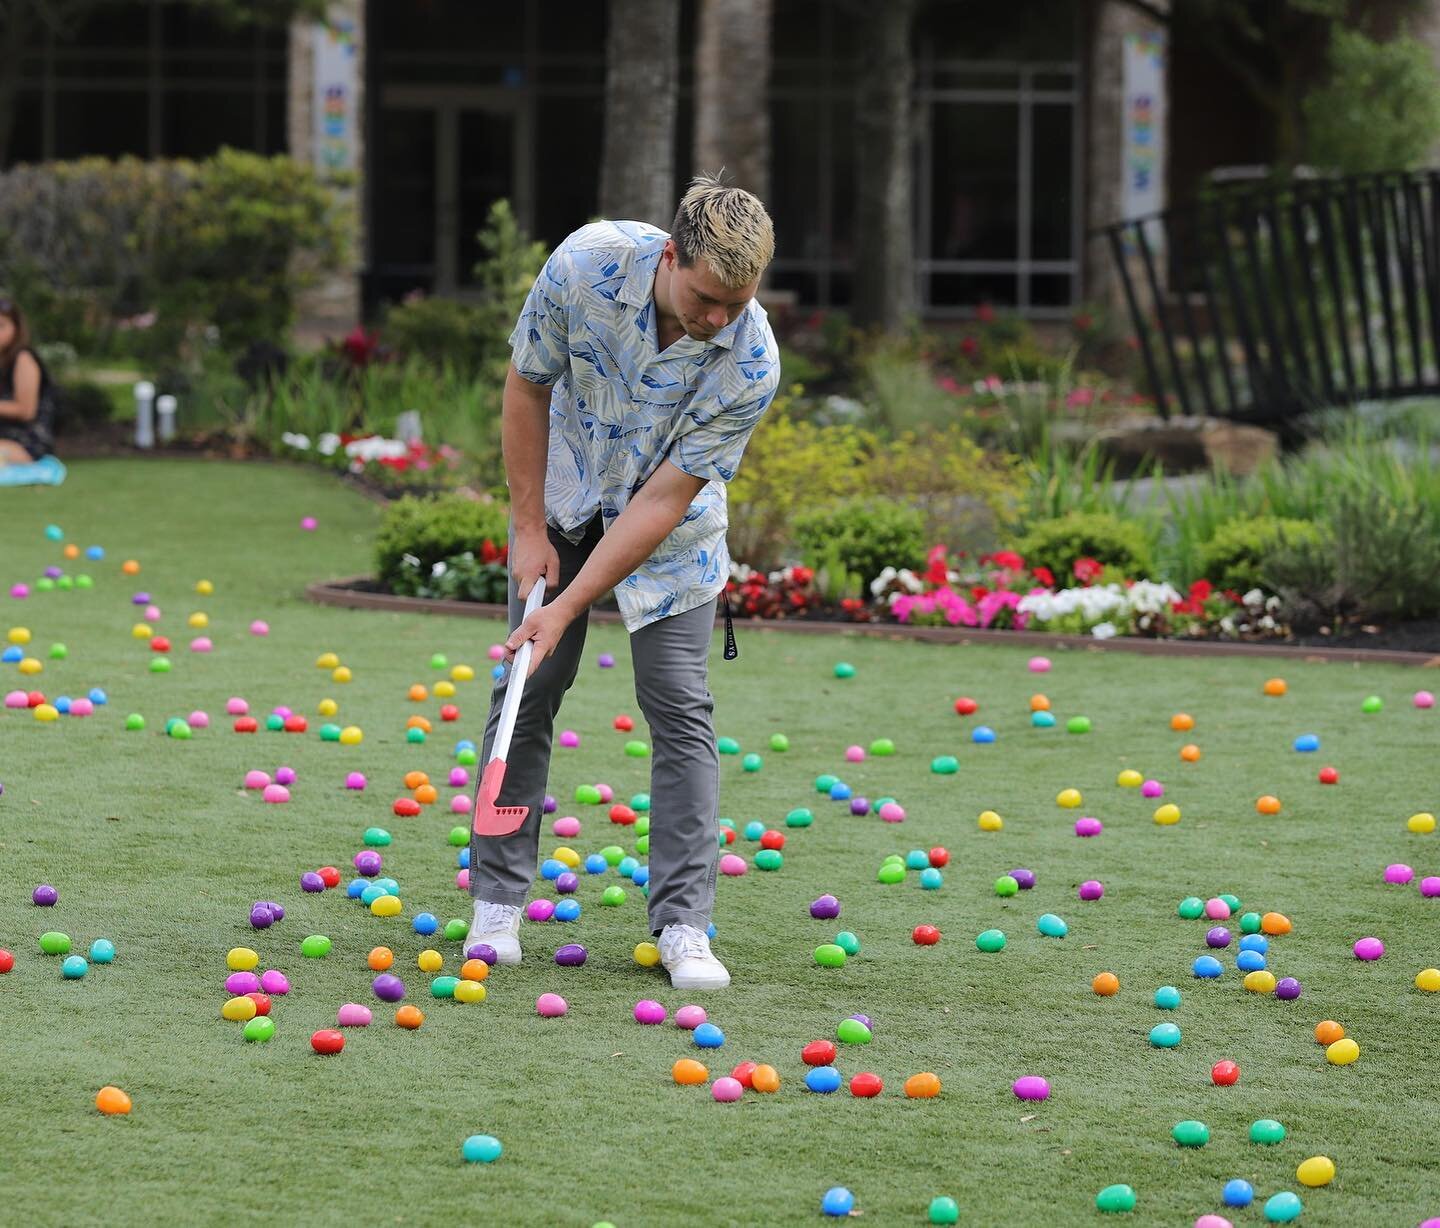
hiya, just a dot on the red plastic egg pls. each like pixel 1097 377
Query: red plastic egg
pixel 406 807
pixel 729 834
pixel 246 724
pixel 622 815
pixel 818 1053
pixel 1329 776
pixel 296 724
pixel 744 1074
pixel 1223 1074
pixel 34 699
pixel 159 643
pixel 966 706
pixel 449 712
pixel 773 840
pixel 866 1084
pixel 624 723
pixel 925 935
pixel 329 875
pixel 327 1040
pixel 7 960
pixel 261 1000
pixel 939 856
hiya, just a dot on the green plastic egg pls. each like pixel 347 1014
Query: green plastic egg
pixel 58 652
pixel 1250 923
pixel 378 837
pixel 455 930
pixel 642 824
pixel 330 733
pixel 769 859
pixel 1267 1131
pixel 830 955
pixel 180 730
pixel 259 1029
pixel 84 581
pixel 161 665
pixel 799 817
pixel 882 747
pixel 847 942
pixel 316 946
pixel 637 749
pixel 944 765
pixel 1006 886
pixel 944 1210
pixel 466 757
pixel 1191 1133
pixel 891 872
pixel 613 896
pixel 53 942
pixel 444 986
pixel 587 794
pixel 64 583
pixel 1078 724
pixel 752 762
pixel 44 585
pixel 825 782
pixel 274 723
pixel 415 735
pixel 459 836
pixel 1115 1199
pixel 640 802
pixel 991 940
pixel 642 845
pixel 438 661
pixel 852 1032
pixel 1191 907
pixel 1372 703
pixel 134 721
pixel 779 742
pixel 1231 901
pixel 613 855
pixel 727 746
pixel 843 669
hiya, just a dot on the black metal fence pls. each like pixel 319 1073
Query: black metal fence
pixel 1263 302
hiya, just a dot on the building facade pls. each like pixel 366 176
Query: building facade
pixel 1028 129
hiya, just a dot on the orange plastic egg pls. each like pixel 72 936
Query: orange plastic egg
pixel 1106 984
pixel 409 1017
pixel 765 1079
pixel 426 795
pixel 1275 923
pixel 380 958
pixel 111 1100
pixel 1275 686
pixel 1190 753
pixel 1039 703
pixel 474 970
pixel 688 1072
pixel 418 693
pixel 413 780
pixel 418 722
pixel 1268 805
pixel 1182 722
pixel 923 1086
pixel 1327 1032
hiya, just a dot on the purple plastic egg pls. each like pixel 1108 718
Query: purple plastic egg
pixel 274 982
pixel 1398 873
pixel 368 862
pixel 571 955
pixel 859 805
pixel 238 983
pixel 1031 1087
pixel 1430 886
pixel 1217 936
pixel 1088 827
pixel 275 909
pixel 607 661
pixel 825 908
pixel 310 881
pixel 865 1019
pixel 388 987
pixel 482 951
pixel 45 895
pixel 284 776
pixel 567 882
pixel 459 778
pixel 261 917
pixel 1152 788
pixel 1024 879
pixel 1369 948
pixel 54 573
pixel 550 804
pixel 1287 988
pixel 648 1011
pixel 1091 889
pixel 140 599
pixel 540 910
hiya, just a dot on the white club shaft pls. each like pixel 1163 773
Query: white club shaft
pixel 515 687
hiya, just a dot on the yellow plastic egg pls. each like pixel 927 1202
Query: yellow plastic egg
pixel 47 712
pixel 1428 979
pixel 327 660
pixel 1129 779
pixel 1421 824
pixel 341 673
pixel 351 736
pixel 328 707
pixel 990 821
pixel 462 673
pixel 1342 1052
pixel 386 905
pixel 240 1009
pixel 19 635
pixel 1167 815
pixel 204 587
pixel 1069 799
pixel 1317 1170
pixel 647 954
pixel 568 855
pixel 1260 981
pixel 30 665
pixel 430 961
pixel 199 619
pixel 142 631
pixel 444 689
pixel 241 959
pixel 469 991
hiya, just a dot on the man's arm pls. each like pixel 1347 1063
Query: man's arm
pixel 525 441
pixel 648 519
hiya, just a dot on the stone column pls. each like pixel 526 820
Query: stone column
pixel 1107 23
pixel 333 306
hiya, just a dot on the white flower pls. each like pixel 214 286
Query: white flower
pixel 1253 597
pixel 1103 631
pixel 410 560
pixel 1272 604
pixel 300 443
pixel 882 581
pixel 1227 625
pixel 438 569
pixel 1266 623
pixel 329 441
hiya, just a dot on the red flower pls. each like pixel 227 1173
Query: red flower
pixel 489 553
pixel 1007 559
pixel 978 591
pixel 1044 575
pixel 969 347
pixel 851 604
pixel 985 313
pixel 802 575
pixel 1087 571
pixel 1200 590
pixel 1084 323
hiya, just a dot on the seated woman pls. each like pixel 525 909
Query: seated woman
pixel 27 402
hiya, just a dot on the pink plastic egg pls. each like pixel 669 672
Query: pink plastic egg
pixel 236 706
pixel 276 794
pixel 353 1015
pixel 259 627
pixel 1091 889
pixel 568 826
pixel 355 780
pixel 854 754
pixel 256 779
pixel 461 804
pixel 1088 826
pixel 462 879
pixel 1152 788
pixel 607 794
pixel 1031 1087
pixel 733 865
pixel 1369 949
pixel 1423 699
pixel 892 812
pixel 1213 1221
pixel 81 707
pixel 568 737
pixel 1430 886
pixel 727 1089
pixel 497 652
pixel 459 778
pixel 282 711
pixel 201 643
pixel 17 699
pixel 1216 909
pixel 1039 665
pixel 551 1005
pixel 274 982
pixel 238 983
pixel 198 720
pixel 690 1017
pixel 152 613
pixel 540 910
pixel 1399 872
pixel 648 1011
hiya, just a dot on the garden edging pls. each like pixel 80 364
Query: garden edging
pixel 347 593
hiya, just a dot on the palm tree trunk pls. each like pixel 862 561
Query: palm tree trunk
pixel 885 208
pixel 732 91
pixel 637 168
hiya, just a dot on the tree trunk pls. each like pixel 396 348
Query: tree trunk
pixel 884 222
pixel 637 168
pixel 732 92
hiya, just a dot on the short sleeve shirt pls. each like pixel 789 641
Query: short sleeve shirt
pixel 619 407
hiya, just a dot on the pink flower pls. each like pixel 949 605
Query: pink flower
pixel 1079 398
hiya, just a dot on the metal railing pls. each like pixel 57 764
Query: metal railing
pixel 1262 302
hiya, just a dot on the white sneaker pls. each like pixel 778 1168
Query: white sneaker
pixel 499 926
pixel 685 952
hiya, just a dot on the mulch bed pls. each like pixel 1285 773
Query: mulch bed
pixel 363 593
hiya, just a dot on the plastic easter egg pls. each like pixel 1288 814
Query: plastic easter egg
pixel 708 1036
pixel 1307 743
pixel 1068 799
pixel 838 1200
pixel 1167 815
pixel 1167 998
pixel 1039 665
pixel 353 1015
pixel 1043 720
pixel 649 1012
pixel 1078 724
pixel 923 1086
pixel 1225 1073
pixel 55 943
pixel 259 1030
pixel 74 967
pixel 1421 824
pixel 1165 1035
pixel 1052 926
pixel 1342 1052
pixel 551 1005
pixel 1031 1087
pixel 843 669
pixel 852 1032
pixel 822 1079
pixel 1267 1132
pixel 1105 984
pixel 1115 1199
pixel 1428 980
pixel 990 821
pixel 925 935
pixel 943 1210
pixel 646 954
pixel 1207 968
pixel 1283 1207
pixel 727 1089
pixel 687 1072
pixel 990 941
pixel 1369 949
pixel 830 955
pixel 1090 889
pixel 1088 826
pixel 1316 1171
pixel 689 1017
pixel 112 1101
pixel 238 1009
pixel 866 1085
pixel 1190 1133
pixel 1006 886
pixel 1237 1193
pixel 481 1149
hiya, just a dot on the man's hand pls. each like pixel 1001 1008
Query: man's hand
pixel 545 627
pixel 533 557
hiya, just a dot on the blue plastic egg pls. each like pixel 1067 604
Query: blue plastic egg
pixel 567 910
pixel 596 864
pixel 371 892
pixel 708 1036
pixel 552 869
pixel 839 791
pixel 754 829
pixel 94 552
pixel 1255 942
pixel 641 876
pixel 1238 1193
pixel 356 887
pixel 917 859
pixel 838 1200
pixel 12 654
pixel 1307 742
pixel 931 879
pixel 1043 720
pixel 74 967
pixel 98 696
pixel 823 1079
pixel 462 858
pixel 1167 997
pixel 627 867
pixel 62 704
pixel 426 923
pixel 1207 967
pixel 1249 961
pixel 102 951
pixel 982 734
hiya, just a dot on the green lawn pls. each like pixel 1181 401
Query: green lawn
pixel 153 844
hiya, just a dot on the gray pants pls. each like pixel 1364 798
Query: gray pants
pixel 671 657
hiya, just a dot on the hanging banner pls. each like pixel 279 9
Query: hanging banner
pixel 1143 125
pixel 334 97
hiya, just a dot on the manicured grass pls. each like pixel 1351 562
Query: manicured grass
pixel 153 844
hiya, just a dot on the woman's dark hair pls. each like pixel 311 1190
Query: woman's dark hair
pixel 11 309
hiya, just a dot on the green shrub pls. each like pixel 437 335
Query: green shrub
pixel 863 536
pixel 1109 540
pixel 80 405
pixel 1236 557
pixel 433 531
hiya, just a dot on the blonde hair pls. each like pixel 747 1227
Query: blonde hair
pixel 726 227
